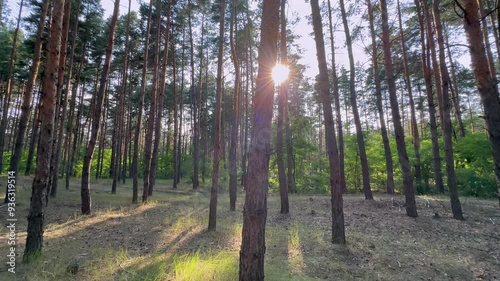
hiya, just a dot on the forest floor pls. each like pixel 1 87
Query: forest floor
pixel 166 239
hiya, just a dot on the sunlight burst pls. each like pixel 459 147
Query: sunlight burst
pixel 280 73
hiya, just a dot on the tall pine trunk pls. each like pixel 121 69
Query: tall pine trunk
pixel 389 166
pixel 447 129
pixel 96 118
pixel 338 228
pixel 62 117
pixel 336 97
pixel 411 207
pixel 413 117
pixel 253 246
pixel 282 95
pixel 8 90
pixel 426 67
pixel 28 94
pixel 485 80
pixel 233 167
pixel 354 105
pixel 36 216
pixel 212 217
pixel 148 145
pixel 159 112
pixel 135 157
pixel 120 114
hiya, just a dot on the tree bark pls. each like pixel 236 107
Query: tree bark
pixel 62 117
pixel 253 246
pixel 28 94
pixel 336 97
pixel 96 118
pixel 484 29
pixel 212 217
pixel 282 100
pixel 233 167
pixel 426 67
pixel 176 121
pixel 36 217
pixel 120 115
pixel 34 139
pixel 195 97
pixel 447 129
pixel 338 228
pixel 413 116
pixel 161 98
pixel 454 90
pixel 485 80
pixel 152 113
pixel 8 90
pixel 135 157
pixel 72 130
pixel 389 166
pixel 354 105
pixel 411 208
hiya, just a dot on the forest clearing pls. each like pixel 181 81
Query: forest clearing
pixel 167 238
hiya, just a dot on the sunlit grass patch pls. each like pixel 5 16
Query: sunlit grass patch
pixel 105 265
pixel 295 256
pixel 221 267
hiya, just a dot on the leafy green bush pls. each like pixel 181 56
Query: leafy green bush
pixel 473 184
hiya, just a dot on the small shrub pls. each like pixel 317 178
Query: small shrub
pixel 472 184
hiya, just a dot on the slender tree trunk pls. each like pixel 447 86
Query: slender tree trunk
pixel 282 95
pixel 36 217
pixel 200 99
pixel 436 71
pixel 176 120
pixel 247 101
pixel 120 115
pixel 378 96
pixel 61 118
pixel 336 97
pixel 89 150
pixel 181 111
pixel 152 113
pixel 447 129
pixel 413 117
pixel 426 66
pixel 34 138
pixel 495 30
pixel 72 130
pixel 195 97
pixel 8 90
pixel 485 80
pixel 338 228
pixel 454 90
pixel 253 246
pixel 352 90
pixel 159 112
pixel 233 167
pixel 28 94
pixel 212 217
pixel 135 157
pixel 484 29
pixel 68 86
pixel 411 208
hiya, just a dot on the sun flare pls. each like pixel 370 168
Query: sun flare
pixel 280 73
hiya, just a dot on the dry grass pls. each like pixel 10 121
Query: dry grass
pixel 167 239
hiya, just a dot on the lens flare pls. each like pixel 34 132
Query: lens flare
pixel 280 73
